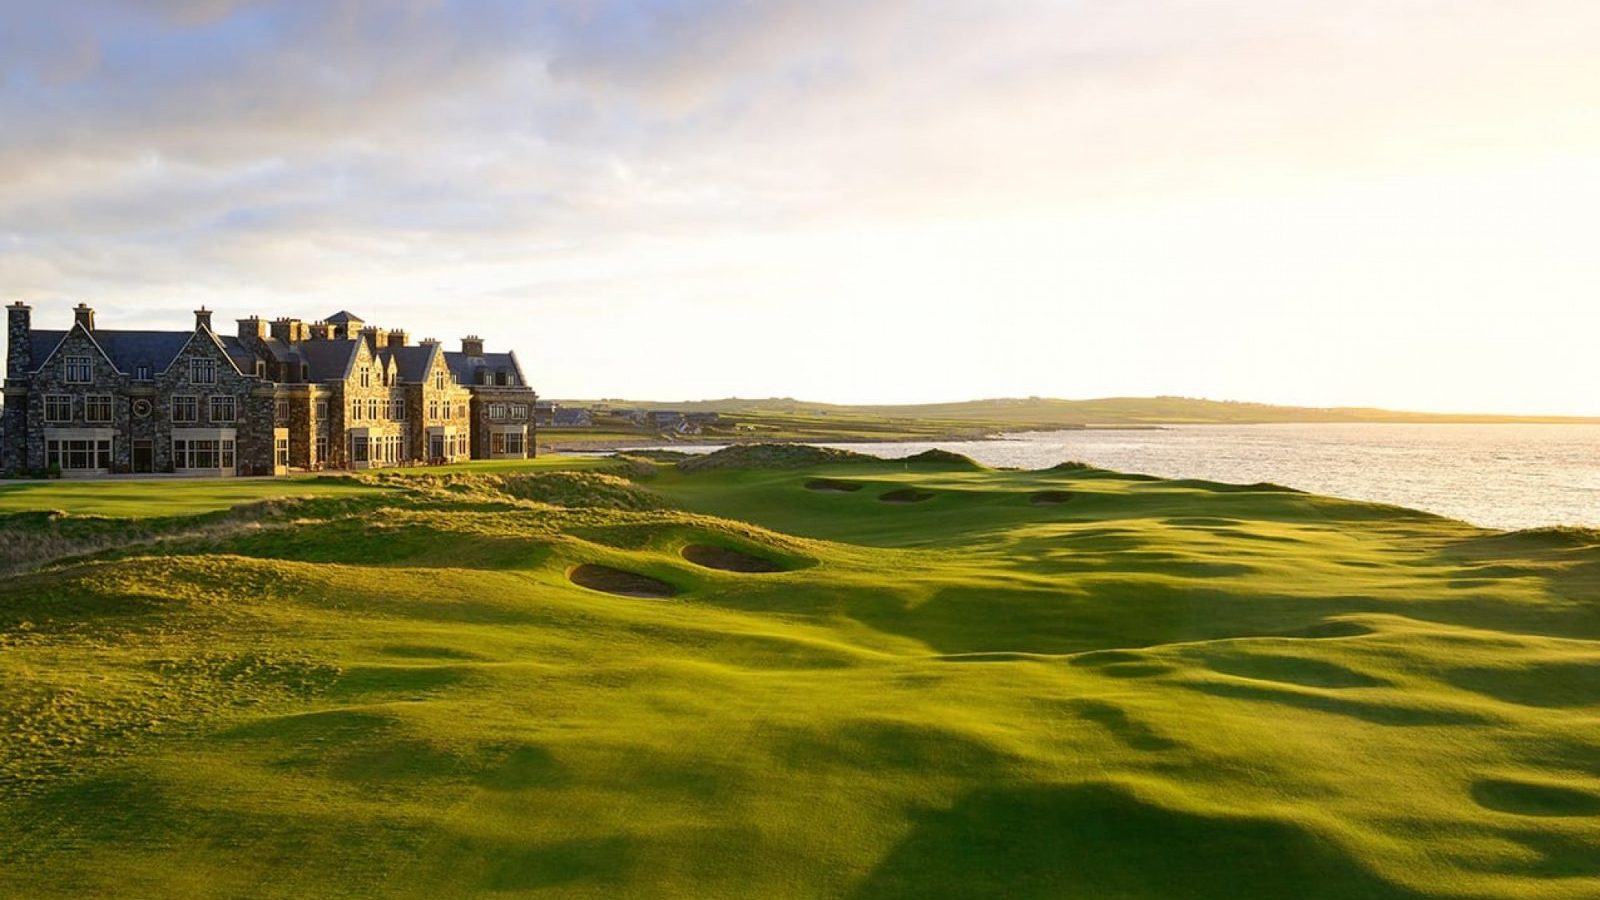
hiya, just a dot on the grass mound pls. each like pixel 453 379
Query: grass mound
pixel 905 495
pixel 1050 498
pixel 728 559
pixel 943 458
pixel 771 456
pixel 617 581
pixel 833 485
pixel 580 490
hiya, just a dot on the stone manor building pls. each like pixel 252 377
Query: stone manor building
pixel 277 395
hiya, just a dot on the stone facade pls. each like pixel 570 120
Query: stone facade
pixel 280 395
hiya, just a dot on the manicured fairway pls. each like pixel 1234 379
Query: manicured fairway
pixel 126 498
pixel 1011 684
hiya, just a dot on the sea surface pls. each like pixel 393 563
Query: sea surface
pixel 1498 476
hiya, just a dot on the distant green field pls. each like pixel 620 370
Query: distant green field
pixel 956 682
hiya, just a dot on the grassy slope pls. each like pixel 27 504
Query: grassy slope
pixel 1153 689
pixel 1048 412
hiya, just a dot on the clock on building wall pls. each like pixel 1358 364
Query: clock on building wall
pixel 141 408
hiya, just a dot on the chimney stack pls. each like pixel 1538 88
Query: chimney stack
pixel 202 318
pixel 472 345
pixel 399 337
pixel 376 338
pixel 19 339
pixel 84 316
pixel 288 330
pixel 252 329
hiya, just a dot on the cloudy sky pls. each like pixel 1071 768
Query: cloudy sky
pixel 1373 202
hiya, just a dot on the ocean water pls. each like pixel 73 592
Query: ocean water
pixel 1498 476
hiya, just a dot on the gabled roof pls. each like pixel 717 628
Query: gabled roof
pixel 127 350
pixel 330 360
pixel 243 359
pixel 412 363
pixel 344 317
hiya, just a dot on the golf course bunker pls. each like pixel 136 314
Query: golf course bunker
pixel 1050 498
pixel 616 581
pixel 906 495
pixel 833 486
pixel 728 560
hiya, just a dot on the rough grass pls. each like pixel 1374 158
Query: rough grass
pixel 1157 689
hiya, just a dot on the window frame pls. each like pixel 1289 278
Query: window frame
pixel 232 409
pixel 197 365
pixel 78 370
pixel 105 400
pixel 59 401
pixel 190 400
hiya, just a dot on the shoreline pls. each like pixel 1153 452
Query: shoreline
pixel 657 442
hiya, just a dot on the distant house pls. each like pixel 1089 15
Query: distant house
pixel 544 412
pixel 571 417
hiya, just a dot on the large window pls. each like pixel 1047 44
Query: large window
pixel 97 408
pixel 57 408
pixel 514 443
pixel 202 454
pixel 366 377
pixel 281 450
pixel 185 408
pixel 322 450
pixel 203 371
pixel 438 381
pixel 223 409
pixel 397 410
pixel 497 410
pixel 358 449
pixel 80 370
pixel 69 455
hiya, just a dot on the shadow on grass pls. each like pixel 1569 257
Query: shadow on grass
pixel 1096 841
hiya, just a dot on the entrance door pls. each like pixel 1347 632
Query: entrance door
pixel 143 457
pixel 436 446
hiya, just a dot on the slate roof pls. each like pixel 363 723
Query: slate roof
pixel 344 317
pixel 243 359
pixel 127 350
pixel 411 363
pixel 329 360
pixel 466 368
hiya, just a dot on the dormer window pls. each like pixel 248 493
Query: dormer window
pixel 80 370
pixel 261 369
pixel 141 372
pixel 202 371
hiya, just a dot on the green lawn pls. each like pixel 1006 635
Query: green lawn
pixel 1140 689
pixel 166 497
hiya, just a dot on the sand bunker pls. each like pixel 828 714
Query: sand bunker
pixel 616 581
pixel 832 485
pixel 1050 498
pixel 728 560
pixel 906 495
